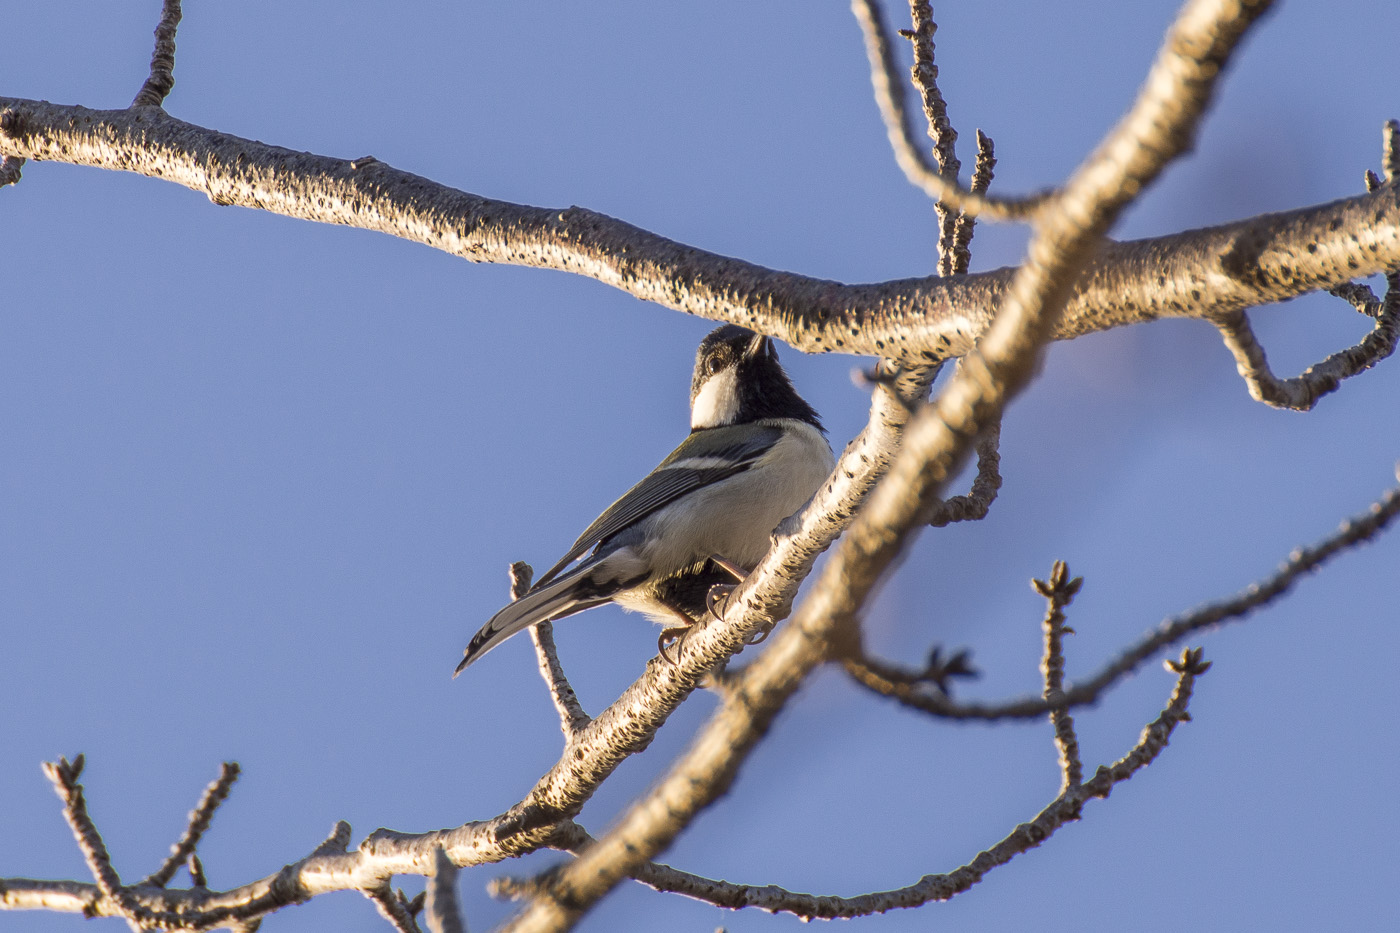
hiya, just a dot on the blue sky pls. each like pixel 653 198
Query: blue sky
pixel 261 478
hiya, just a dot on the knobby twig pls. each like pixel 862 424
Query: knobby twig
pixel 64 775
pixel 1390 151
pixel 909 687
pixel 162 78
pixel 982 173
pixel 1067 807
pixel 572 718
pixel 443 913
pixel 395 907
pixel 974 506
pixel 1302 392
pixel 1059 591
pixel 183 851
pixel 889 97
pixel 924 76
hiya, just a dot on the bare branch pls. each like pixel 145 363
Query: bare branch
pixel 572 718
pixel 162 77
pixel 1065 808
pixel 1302 393
pixel 889 97
pixel 1200 273
pixel 1157 128
pixel 394 907
pixel 974 506
pixel 982 174
pixel 924 76
pixel 1390 152
pixel 64 775
pixel 444 914
pixel 1059 592
pixel 908 687
pixel 199 819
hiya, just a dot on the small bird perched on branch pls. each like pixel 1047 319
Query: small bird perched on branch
pixel 756 453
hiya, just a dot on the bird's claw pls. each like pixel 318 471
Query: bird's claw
pixel 672 638
pixel 717 599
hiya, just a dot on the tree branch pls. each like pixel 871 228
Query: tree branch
pixel 1065 808
pixel 922 174
pixel 180 853
pixel 1059 591
pixel 906 686
pixel 924 76
pixel 1200 273
pixel 162 78
pixel 572 718
pixel 444 914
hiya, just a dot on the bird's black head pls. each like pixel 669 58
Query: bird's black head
pixel 738 379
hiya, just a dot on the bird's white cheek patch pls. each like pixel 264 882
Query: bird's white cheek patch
pixel 717 402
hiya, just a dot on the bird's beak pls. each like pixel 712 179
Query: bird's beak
pixel 757 345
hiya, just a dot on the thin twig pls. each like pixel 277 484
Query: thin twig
pixel 924 76
pixel 64 775
pixel 889 97
pixel 444 914
pixel 162 77
pixel 572 718
pixel 910 687
pixel 1059 591
pixel 394 907
pixel 199 818
pixel 974 506
pixel 1390 151
pixel 982 173
pixel 1067 807
pixel 1303 392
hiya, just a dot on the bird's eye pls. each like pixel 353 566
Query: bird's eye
pixel 713 365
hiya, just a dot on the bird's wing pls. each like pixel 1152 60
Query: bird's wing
pixel 704 457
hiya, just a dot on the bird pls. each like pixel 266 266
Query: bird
pixel 756 453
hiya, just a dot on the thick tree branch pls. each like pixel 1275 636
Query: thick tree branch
pixel 1200 273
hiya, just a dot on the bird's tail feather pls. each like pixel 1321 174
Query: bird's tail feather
pixel 561 597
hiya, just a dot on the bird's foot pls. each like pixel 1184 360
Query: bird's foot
pixel 717 599
pixel 671 638
pixel 760 636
